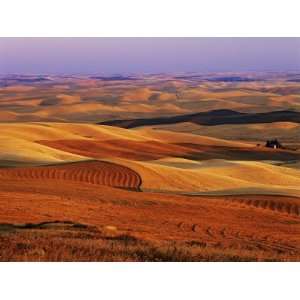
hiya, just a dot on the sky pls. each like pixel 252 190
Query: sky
pixel 109 56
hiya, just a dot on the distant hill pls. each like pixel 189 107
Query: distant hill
pixel 211 118
pixel 218 79
pixel 113 78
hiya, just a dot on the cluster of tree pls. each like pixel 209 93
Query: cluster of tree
pixel 273 144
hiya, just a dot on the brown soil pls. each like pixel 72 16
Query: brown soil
pixel 203 228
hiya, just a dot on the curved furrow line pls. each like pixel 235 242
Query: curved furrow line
pixel 122 178
pixel 208 231
pixel 95 177
pixel 126 180
pixel 113 178
pixel 80 175
pixel 180 225
pixel 194 227
pixel 118 176
pixel 65 175
pixel 88 176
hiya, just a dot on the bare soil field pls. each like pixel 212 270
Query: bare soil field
pixel 64 221
pixel 94 172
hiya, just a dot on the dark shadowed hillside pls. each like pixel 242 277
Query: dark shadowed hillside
pixel 214 117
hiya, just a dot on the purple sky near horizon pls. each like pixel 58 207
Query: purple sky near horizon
pixel 109 56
